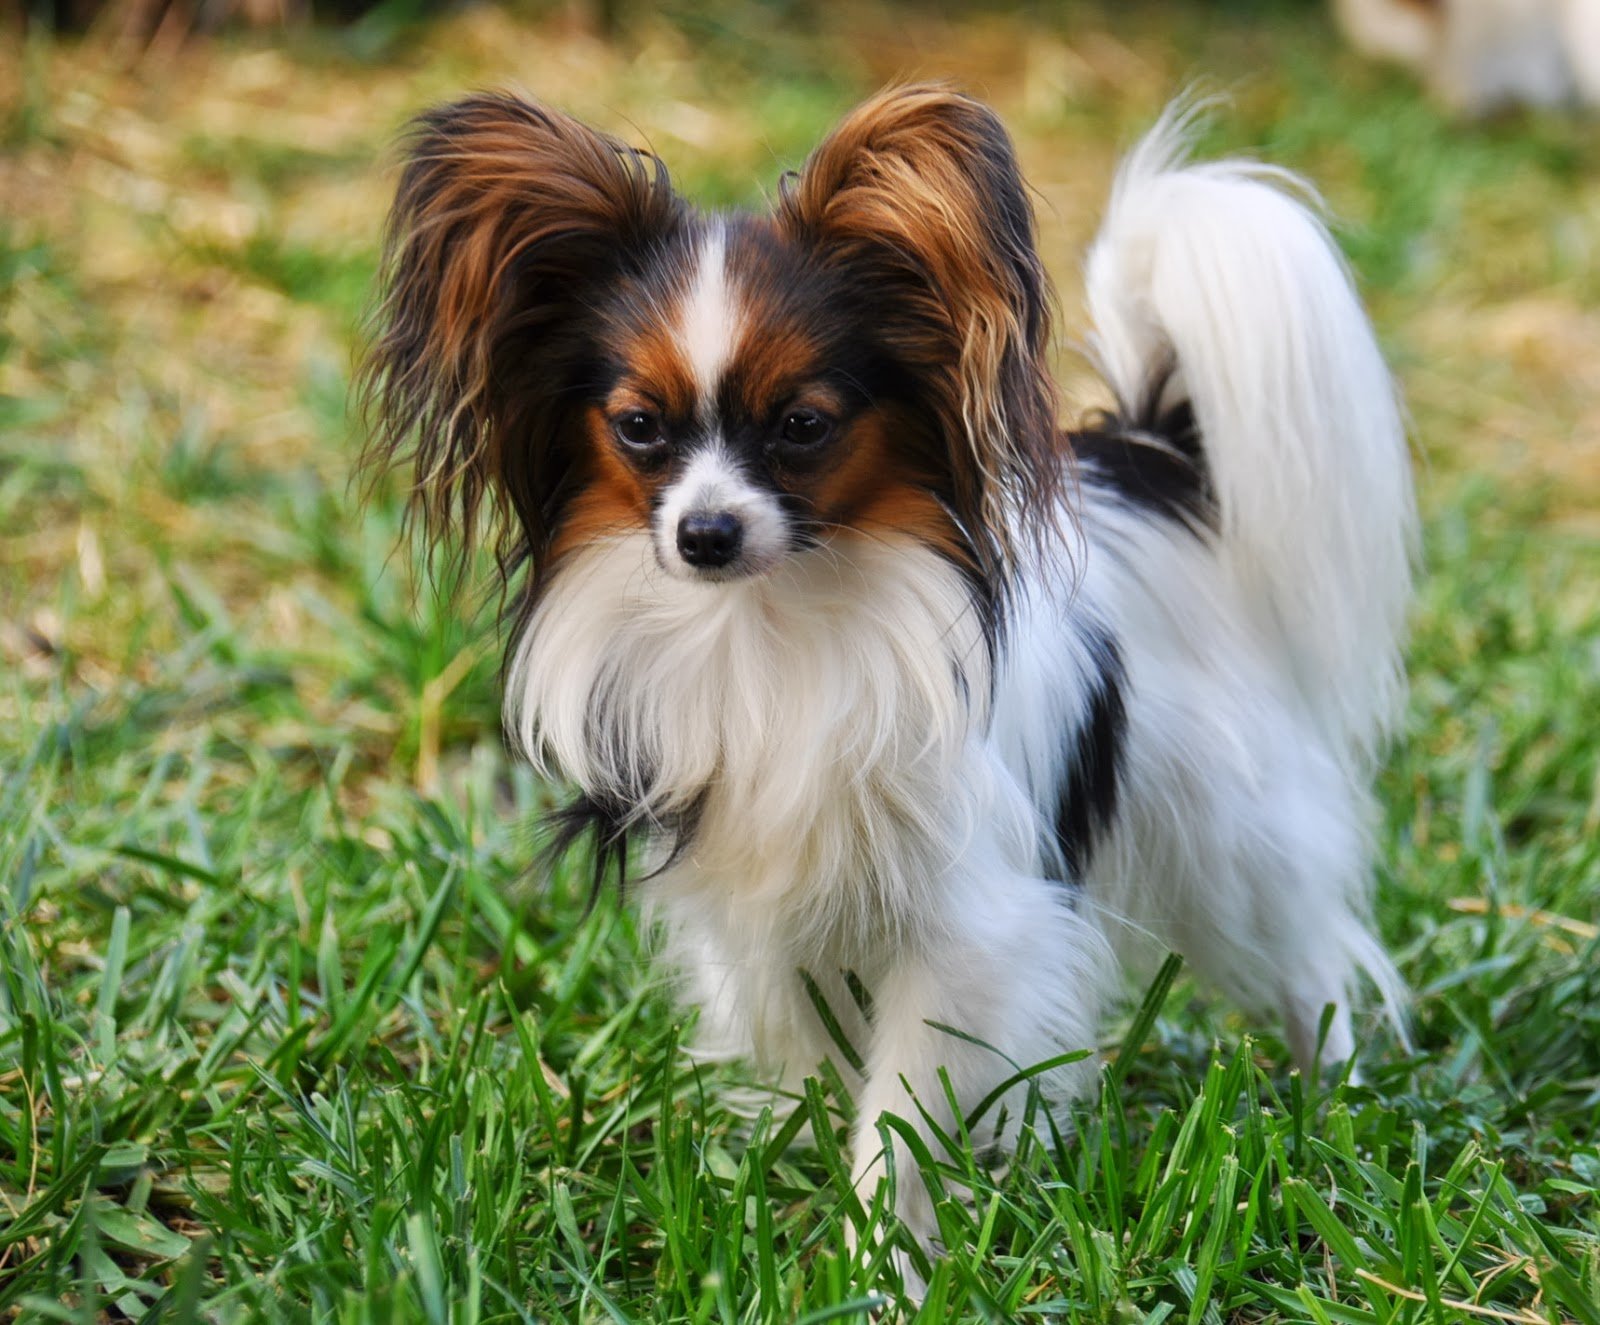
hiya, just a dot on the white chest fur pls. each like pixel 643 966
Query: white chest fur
pixel 815 717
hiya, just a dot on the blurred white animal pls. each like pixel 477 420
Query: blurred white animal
pixel 1479 56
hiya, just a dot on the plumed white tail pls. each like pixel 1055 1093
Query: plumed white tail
pixel 1222 274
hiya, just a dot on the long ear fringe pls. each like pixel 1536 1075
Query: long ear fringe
pixel 505 212
pixel 613 827
pixel 921 184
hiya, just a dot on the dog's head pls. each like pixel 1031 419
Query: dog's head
pixel 568 351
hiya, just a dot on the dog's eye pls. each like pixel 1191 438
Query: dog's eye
pixel 805 427
pixel 639 428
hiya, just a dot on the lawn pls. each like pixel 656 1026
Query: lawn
pixel 288 1030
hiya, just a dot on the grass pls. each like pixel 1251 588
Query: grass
pixel 286 1029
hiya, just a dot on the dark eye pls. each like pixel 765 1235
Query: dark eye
pixel 805 427
pixel 639 427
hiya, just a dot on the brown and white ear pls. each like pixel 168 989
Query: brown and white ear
pixel 919 190
pixel 506 216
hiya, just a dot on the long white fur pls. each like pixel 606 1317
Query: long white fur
pixel 864 808
pixel 1221 268
pixel 1264 675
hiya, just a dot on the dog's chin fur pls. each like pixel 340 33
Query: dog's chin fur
pixel 903 798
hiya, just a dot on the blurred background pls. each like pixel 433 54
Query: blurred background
pixel 193 196
pixel 257 828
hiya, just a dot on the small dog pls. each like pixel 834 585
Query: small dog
pixel 898 688
pixel 1479 56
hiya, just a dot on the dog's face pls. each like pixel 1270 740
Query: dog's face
pixel 740 408
pixel 565 339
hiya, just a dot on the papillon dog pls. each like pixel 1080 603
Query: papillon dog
pixel 908 713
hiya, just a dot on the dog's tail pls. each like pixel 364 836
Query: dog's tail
pixel 1216 285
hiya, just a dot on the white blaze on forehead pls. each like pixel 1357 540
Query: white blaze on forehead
pixel 710 320
pixel 711 481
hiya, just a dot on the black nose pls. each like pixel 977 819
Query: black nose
pixel 709 538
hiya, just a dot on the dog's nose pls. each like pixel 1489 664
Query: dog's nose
pixel 710 538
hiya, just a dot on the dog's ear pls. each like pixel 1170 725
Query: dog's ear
pixel 507 217
pixel 918 191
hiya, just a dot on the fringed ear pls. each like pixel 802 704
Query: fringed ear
pixel 507 215
pixel 918 190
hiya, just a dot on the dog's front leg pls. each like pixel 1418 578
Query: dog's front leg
pixel 1020 979
pixel 903 1079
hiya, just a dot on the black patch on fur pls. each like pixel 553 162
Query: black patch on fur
pixel 1094 763
pixel 614 827
pixel 1151 457
pixel 609 824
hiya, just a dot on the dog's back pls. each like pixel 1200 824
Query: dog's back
pixel 1249 530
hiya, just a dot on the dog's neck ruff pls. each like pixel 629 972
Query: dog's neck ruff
pixel 812 720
